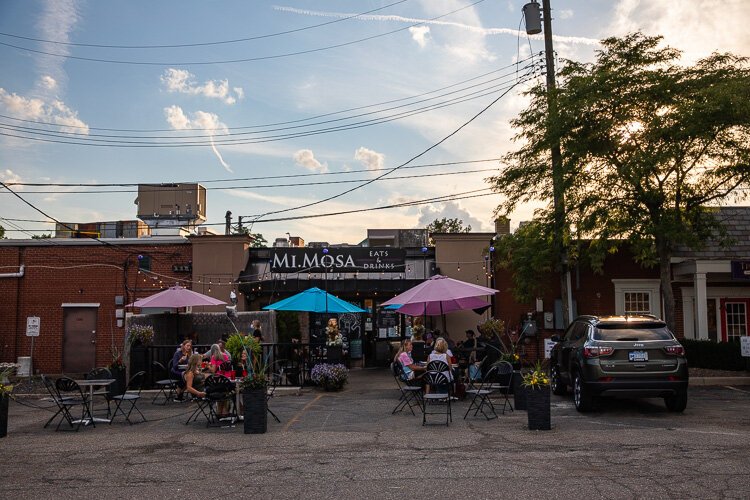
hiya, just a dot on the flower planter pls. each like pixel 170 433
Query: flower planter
pixel 4 399
pixel 538 408
pixel 519 392
pixel 256 411
pixel 120 385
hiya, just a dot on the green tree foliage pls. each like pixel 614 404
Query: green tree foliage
pixel 2 233
pixel 258 240
pixel 446 225
pixel 44 236
pixel 647 144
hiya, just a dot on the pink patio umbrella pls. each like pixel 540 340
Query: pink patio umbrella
pixel 177 296
pixel 439 295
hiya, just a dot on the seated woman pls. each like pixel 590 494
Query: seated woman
pixel 181 357
pixel 441 353
pixel 408 366
pixel 194 377
pixel 215 359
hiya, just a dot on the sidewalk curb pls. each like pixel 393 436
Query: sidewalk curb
pixel 718 381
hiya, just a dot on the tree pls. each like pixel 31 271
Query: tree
pixel 446 225
pixel 258 239
pixel 2 233
pixel 648 145
pixel 43 236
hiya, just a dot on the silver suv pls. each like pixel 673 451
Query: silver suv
pixel 626 356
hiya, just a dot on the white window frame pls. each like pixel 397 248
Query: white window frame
pixel 650 286
pixel 730 335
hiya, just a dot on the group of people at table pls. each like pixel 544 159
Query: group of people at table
pixel 412 371
pixel 190 369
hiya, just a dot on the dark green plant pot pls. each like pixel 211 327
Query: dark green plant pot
pixel 138 359
pixel 120 385
pixel 256 411
pixel 519 393
pixel 4 400
pixel 538 409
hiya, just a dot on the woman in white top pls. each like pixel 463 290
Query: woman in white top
pixel 441 353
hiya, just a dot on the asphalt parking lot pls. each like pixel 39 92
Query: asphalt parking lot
pixel 347 445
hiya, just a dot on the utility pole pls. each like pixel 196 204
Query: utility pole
pixel 531 12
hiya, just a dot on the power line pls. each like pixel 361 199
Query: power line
pixel 200 44
pixel 233 61
pixel 300 120
pixel 212 142
pixel 265 177
pixel 268 186
pixel 329 198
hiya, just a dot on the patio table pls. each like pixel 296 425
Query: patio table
pixel 91 384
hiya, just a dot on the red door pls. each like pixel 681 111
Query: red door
pixel 734 315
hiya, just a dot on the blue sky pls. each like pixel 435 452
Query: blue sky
pixel 345 70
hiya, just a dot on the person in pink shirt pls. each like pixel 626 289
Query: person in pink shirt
pixel 408 366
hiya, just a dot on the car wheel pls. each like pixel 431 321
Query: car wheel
pixel 583 400
pixel 558 387
pixel 676 403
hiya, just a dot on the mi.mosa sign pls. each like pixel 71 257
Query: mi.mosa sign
pixel 346 259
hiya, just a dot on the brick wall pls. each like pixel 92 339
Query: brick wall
pixel 58 273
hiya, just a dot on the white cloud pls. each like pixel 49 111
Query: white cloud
pixel 450 210
pixel 564 13
pixel 37 109
pixel 48 82
pixel 201 120
pixel 369 158
pixel 698 27
pixel 8 176
pixel 182 81
pixel 56 22
pixel 419 35
pixel 305 158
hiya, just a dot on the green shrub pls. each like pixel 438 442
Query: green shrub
pixel 714 355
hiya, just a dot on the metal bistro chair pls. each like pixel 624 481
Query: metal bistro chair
pixel 274 379
pixel 440 366
pixel 438 396
pixel 481 396
pixel 167 386
pixel 219 389
pixel 132 395
pixel 71 392
pixel 409 395
pixel 63 404
pixel 502 382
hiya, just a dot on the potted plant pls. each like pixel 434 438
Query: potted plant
pixel 238 344
pixel 137 338
pixel 117 369
pixel 536 385
pixel 7 370
pixel 331 377
pixel 253 388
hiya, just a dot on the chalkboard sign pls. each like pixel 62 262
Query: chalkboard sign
pixel 355 349
pixel 387 319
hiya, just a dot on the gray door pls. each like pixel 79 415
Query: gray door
pixel 79 339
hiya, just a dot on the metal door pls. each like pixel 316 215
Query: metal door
pixel 79 339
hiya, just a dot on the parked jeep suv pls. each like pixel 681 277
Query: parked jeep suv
pixel 626 356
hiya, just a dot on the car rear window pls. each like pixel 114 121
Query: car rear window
pixel 632 332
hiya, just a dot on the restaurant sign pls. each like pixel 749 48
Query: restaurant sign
pixel 741 269
pixel 344 259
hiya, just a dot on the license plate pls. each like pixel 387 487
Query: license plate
pixel 638 356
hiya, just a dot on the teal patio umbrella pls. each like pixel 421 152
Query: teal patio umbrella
pixel 314 300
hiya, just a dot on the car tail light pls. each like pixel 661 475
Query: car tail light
pixel 675 350
pixel 594 351
pixel 606 379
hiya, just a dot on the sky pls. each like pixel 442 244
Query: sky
pixel 287 111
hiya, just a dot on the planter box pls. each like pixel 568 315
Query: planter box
pixel 256 411
pixel 538 407
pixel 4 400
pixel 120 385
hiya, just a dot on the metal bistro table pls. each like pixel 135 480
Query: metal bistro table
pixel 91 383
